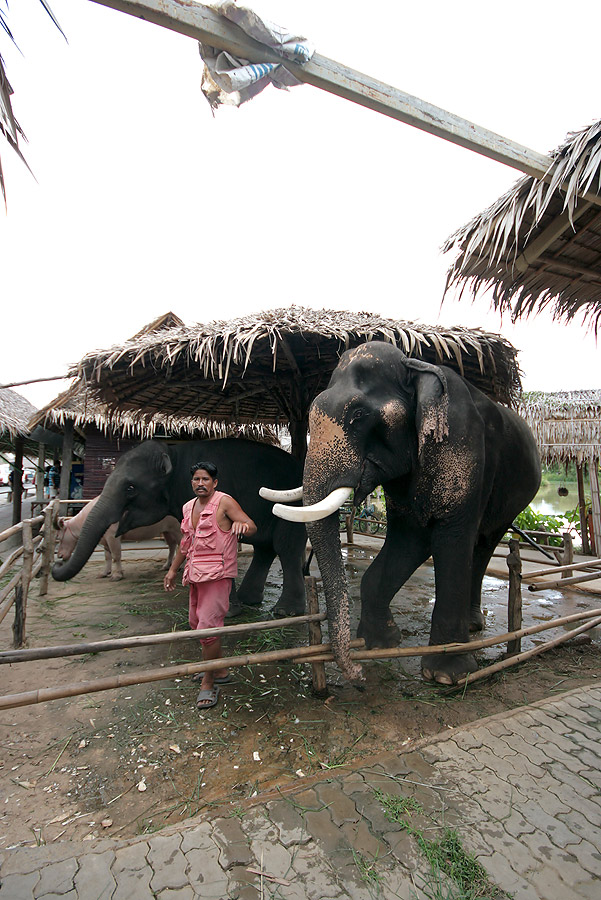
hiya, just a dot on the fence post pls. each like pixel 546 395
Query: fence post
pixel 48 548
pixel 22 589
pixel 567 556
pixel 320 686
pixel 350 519
pixel 514 604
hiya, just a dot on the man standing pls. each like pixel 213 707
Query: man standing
pixel 212 523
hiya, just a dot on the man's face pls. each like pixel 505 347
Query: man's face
pixel 203 485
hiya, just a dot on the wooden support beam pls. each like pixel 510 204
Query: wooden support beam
pixel 557 227
pixel 66 460
pixel 205 25
pixel 17 485
pixel 514 605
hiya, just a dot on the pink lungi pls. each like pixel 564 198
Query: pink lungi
pixel 209 602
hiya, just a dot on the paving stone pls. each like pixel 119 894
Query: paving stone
pixel 579 783
pixel 133 856
pixel 589 858
pixel 325 833
pixel 535 755
pixel 404 849
pixel 132 884
pixel 18 887
pixel 515 824
pixel 591 732
pixel 342 809
pixel 168 863
pixel 394 764
pixel 314 870
pixel 94 880
pixel 70 895
pixel 183 893
pixel 467 740
pixel 552 826
pixel 203 867
pixel 590 760
pixel 31 859
pixel 544 851
pixel 273 858
pixel 56 878
pixel 231 840
pixel 549 885
pixel 197 838
pixel 289 822
pixel 546 799
pixel 418 767
pixel 500 872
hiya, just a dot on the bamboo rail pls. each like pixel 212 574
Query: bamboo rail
pixel 311 654
pixel 58 651
pixel 563 582
pixel 552 570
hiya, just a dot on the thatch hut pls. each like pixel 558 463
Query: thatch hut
pixel 267 368
pixel 15 412
pixel 105 434
pixel 539 245
pixel 567 427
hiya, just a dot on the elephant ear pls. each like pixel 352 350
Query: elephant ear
pixel 432 401
pixel 163 463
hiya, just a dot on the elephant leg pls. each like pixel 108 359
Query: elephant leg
pixel 250 592
pixel 108 560
pixel 289 544
pixel 235 607
pixel 406 547
pixel 482 555
pixel 115 548
pixel 452 552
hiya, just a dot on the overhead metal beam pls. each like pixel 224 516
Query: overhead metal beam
pixel 205 25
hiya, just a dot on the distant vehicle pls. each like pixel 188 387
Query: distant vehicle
pixel 4 470
pixel 29 476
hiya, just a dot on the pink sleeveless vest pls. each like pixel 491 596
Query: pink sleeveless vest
pixel 211 553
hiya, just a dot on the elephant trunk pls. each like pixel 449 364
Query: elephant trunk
pixel 325 540
pixel 104 514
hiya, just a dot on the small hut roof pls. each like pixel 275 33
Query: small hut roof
pixel 82 408
pixel 15 412
pixel 539 245
pixel 566 425
pixel 266 368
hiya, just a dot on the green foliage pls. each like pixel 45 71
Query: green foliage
pixel 530 520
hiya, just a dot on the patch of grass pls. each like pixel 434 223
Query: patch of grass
pixel 454 873
pixel 397 807
pixel 367 870
pixel 113 625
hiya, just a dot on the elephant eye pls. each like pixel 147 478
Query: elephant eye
pixel 356 415
pixel 130 490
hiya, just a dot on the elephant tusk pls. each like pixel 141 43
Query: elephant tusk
pixel 317 510
pixel 283 496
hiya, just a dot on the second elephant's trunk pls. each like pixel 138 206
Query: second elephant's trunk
pixel 104 514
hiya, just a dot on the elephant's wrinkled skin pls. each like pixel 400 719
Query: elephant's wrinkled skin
pixel 456 469
pixel 153 480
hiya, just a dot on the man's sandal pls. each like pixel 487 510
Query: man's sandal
pixel 207 699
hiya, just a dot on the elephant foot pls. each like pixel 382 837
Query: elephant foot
pixel 235 609
pixel 118 576
pixel 446 668
pixel 477 620
pixel 104 575
pixel 284 609
pixel 250 599
pixel 387 635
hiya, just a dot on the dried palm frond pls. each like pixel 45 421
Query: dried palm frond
pixel 15 413
pixel 539 245
pixel 566 424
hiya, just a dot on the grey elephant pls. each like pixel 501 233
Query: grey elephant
pixel 153 480
pixel 456 469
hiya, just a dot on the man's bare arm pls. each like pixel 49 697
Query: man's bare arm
pixel 241 523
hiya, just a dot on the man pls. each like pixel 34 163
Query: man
pixel 212 523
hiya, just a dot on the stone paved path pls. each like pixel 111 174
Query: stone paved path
pixel 522 790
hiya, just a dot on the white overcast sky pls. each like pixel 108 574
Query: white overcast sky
pixel 144 202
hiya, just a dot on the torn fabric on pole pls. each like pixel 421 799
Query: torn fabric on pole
pixel 229 80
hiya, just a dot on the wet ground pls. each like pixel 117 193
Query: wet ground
pixel 129 761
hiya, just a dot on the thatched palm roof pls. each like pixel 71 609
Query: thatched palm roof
pixel 539 245
pixel 567 425
pixel 267 368
pixel 79 406
pixel 15 412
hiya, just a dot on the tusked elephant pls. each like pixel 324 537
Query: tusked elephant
pixel 456 468
pixel 153 480
pixel 70 529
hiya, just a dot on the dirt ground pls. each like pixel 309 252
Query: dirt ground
pixel 129 761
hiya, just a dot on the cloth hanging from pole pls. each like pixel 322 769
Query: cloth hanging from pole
pixel 232 81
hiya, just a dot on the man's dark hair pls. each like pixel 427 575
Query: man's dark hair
pixel 209 467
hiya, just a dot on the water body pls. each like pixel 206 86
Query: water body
pixel 548 501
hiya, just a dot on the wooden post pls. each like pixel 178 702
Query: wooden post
pixel 39 476
pixel 582 510
pixel 320 686
pixel 17 486
pixel 47 547
pixel 66 461
pixel 568 553
pixel 350 520
pixel 22 589
pixel 514 605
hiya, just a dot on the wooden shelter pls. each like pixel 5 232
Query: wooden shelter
pixel 102 435
pixel 539 245
pixel 265 369
pixel 567 428
pixel 15 412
